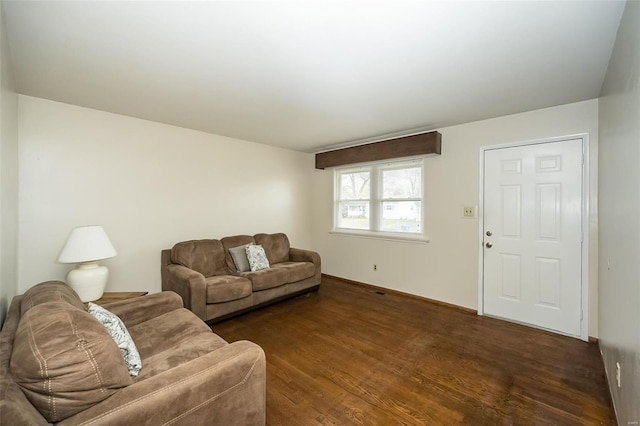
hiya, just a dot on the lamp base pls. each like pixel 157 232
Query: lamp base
pixel 88 280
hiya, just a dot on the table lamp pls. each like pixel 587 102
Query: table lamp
pixel 85 246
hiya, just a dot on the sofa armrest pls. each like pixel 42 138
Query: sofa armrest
pixel 300 255
pixel 140 309
pixel 190 285
pixel 224 387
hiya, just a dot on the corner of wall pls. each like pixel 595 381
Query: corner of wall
pixel 619 203
pixel 8 175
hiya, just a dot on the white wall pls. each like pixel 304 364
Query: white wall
pixel 619 217
pixel 446 269
pixel 149 185
pixel 8 176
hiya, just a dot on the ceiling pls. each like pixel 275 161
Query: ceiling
pixel 309 76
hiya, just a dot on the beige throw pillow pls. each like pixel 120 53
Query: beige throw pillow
pixel 239 256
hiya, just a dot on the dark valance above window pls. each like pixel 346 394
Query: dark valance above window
pixel 407 146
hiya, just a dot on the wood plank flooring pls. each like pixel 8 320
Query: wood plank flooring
pixel 349 356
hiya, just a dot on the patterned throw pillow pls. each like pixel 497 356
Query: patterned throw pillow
pixel 257 257
pixel 120 335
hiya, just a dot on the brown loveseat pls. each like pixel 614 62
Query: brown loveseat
pixel 204 273
pixel 59 365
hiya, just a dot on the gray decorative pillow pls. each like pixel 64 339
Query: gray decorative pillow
pixel 257 257
pixel 120 335
pixel 239 256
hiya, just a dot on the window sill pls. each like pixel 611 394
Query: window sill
pixel 418 239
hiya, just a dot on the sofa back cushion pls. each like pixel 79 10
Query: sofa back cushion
pixel 276 246
pixel 50 291
pixel 204 256
pixel 232 242
pixel 15 408
pixel 64 360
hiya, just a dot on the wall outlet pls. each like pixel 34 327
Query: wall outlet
pixel 375 267
pixel 469 211
pixel 618 373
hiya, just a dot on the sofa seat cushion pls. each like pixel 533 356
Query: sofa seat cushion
pixel 65 361
pixel 205 256
pixel 267 278
pixel 297 271
pixel 172 339
pixel 225 288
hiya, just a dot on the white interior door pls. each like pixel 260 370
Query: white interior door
pixel 532 232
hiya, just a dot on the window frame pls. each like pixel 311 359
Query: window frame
pixel 376 200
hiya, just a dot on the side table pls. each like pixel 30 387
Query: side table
pixel 115 296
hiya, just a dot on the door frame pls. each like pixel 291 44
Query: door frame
pixel 585 211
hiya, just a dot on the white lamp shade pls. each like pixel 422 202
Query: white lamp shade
pixel 86 244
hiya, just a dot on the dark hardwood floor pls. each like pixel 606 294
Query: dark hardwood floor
pixel 347 355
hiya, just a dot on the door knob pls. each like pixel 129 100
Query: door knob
pixel 489 233
pixel 489 245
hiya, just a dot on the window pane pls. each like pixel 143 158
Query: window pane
pixel 379 198
pixel 354 186
pixel 402 183
pixel 401 216
pixel 353 214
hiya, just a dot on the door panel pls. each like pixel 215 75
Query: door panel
pixel 548 211
pixel 532 256
pixel 511 276
pixel 511 200
pixel 548 282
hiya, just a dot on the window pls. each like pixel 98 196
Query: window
pixel 380 199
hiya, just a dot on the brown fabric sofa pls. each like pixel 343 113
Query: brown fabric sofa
pixel 59 365
pixel 204 274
